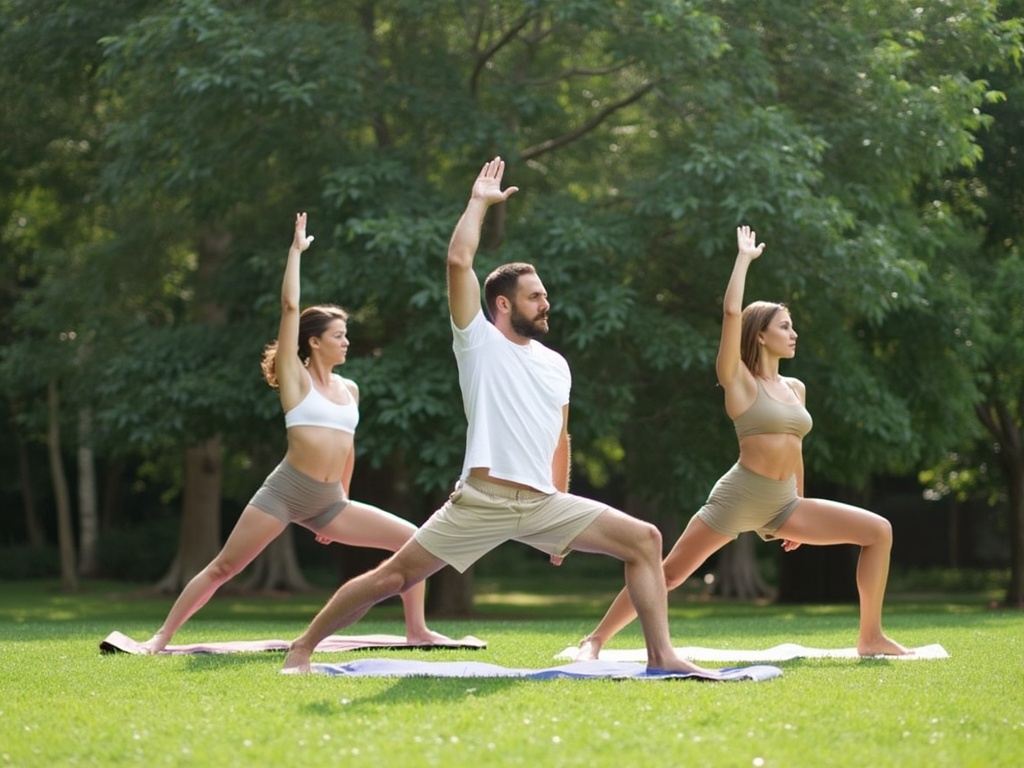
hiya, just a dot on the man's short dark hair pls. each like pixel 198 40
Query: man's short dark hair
pixel 504 281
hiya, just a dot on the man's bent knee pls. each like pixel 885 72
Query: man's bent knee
pixel 392 579
pixel 647 541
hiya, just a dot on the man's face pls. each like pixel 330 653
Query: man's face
pixel 529 311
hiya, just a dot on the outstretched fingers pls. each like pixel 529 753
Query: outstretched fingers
pixel 746 242
pixel 301 240
pixel 488 183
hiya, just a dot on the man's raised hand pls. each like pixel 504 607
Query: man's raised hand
pixel 487 187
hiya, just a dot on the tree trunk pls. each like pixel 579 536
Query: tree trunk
pixel 1015 589
pixel 88 508
pixel 111 495
pixel 277 568
pixel 999 421
pixel 65 536
pixel 199 540
pixel 33 528
pixel 737 574
pixel 450 593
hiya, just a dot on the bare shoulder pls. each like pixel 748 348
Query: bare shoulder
pixel 351 386
pixel 798 387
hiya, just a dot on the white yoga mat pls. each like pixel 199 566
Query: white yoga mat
pixel 784 652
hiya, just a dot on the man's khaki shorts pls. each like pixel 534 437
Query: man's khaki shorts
pixel 480 515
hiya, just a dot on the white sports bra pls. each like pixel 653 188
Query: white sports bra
pixel 315 410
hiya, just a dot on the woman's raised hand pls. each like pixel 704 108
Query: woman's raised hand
pixel 746 242
pixel 301 240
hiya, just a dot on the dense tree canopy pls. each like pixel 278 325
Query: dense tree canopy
pixel 152 168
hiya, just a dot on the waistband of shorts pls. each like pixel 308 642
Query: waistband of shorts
pixel 758 478
pixel 290 470
pixel 503 491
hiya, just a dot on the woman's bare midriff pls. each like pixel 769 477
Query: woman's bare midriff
pixel 319 452
pixel 776 456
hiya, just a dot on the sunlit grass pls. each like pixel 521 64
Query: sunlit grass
pixel 65 704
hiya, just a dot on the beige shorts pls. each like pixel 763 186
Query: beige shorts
pixel 746 501
pixel 480 515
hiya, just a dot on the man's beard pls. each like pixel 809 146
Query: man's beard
pixel 525 327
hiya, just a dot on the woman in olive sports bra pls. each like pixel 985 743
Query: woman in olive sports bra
pixel 310 485
pixel 763 491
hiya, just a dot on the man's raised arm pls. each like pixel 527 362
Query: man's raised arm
pixel 463 284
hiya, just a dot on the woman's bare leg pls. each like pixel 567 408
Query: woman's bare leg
pixel 820 521
pixel 363 525
pixel 696 545
pixel 252 533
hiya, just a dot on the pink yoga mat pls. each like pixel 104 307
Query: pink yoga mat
pixel 116 642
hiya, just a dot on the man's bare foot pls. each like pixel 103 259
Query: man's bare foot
pixel 881 646
pixel 426 637
pixel 590 649
pixel 296 662
pixel 677 664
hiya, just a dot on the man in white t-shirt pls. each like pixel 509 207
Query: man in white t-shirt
pixel 515 476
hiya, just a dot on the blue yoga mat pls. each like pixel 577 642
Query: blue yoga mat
pixel 578 670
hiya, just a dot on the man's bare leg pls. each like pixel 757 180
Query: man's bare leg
pixel 363 525
pixel 696 545
pixel 403 570
pixel 638 545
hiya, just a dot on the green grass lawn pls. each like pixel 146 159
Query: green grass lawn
pixel 64 704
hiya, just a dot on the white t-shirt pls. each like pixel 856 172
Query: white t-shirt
pixel 513 395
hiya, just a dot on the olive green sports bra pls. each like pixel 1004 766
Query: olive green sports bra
pixel 767 416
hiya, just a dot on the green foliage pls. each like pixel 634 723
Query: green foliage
pixel 149 207
pixel 983 280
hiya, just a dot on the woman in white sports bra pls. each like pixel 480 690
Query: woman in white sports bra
pixel 763 491
pixel 310 485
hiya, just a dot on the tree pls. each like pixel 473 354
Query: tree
pixel 191 79
pixel 985 279
pixel 53 221
pixel 641 134
pixel 831 152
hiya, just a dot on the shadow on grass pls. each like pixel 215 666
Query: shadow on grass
pixel 416 690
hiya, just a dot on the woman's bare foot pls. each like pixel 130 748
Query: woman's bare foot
pixel 881 646
pixel 296 662
pixel 154 645
pixel 678 664
pixel 590 649
pixel 426 637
